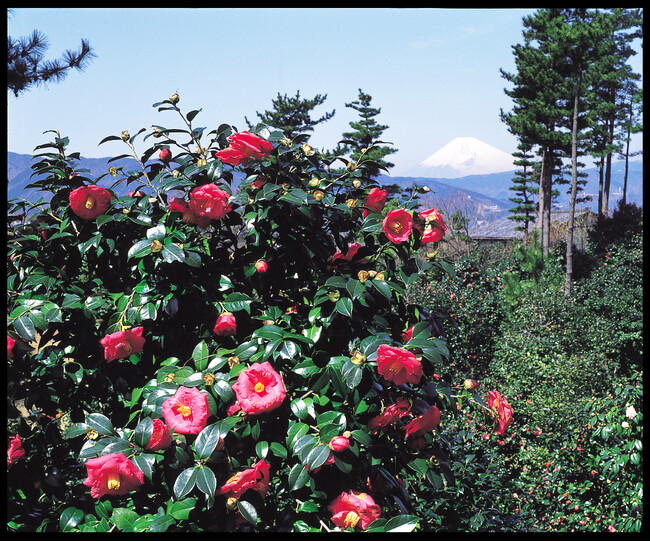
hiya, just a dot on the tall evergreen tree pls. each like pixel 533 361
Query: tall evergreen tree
pixel 27 66
pixel 292 114
pixel 633 125
pixel 524 188
pixel 365 137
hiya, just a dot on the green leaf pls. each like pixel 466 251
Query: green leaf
pixel 206 480
pixel 278 450
pixel 171 252
pixel 104 509
pixel 248 511
pixel 145 463
pixel 401 524
pixel 148 312
pixel 25 328
pixel 200 356
pixel 207 440
pixel 262 449
pixel 100 423
pixel 298 477
pixel 70 518
pixel 344 306
pixel 161 524
pixel 139 249
pixel 236 302
pixel 185 482
pixel 180 510
pixel 317 456
pixel 124 519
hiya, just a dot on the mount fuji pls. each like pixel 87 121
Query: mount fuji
pixel 464 156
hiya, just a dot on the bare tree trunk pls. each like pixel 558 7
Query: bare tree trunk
pixel 608 170
pixel 543 222
pixel 574 188
pixel 601 167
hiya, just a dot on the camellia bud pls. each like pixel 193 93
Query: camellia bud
pixel 261 266
pixel 470 384
pixel 356 183
pixel 314 182
pixel 334 295
pixel 363 275
pixel 169 377
pixel 358 358
pixel 156 246
pixel 165 155
pixel 319 195
pixel 113 171
pixel 338 444
pixel 125 135
pixel 208 378
pixel 351 203
pixel 308 150
pixel 157 132
pixel 174 98
pixel 232 361
pixel 231 503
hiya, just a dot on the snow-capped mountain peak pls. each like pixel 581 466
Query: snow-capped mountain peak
pixel 466 156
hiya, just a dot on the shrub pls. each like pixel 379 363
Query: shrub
pixel 237 294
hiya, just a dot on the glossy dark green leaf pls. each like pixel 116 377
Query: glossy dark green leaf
pixel 185 482
pixel 100 423
pixel 248 511
pixel 70 518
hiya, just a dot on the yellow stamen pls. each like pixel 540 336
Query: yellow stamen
pixel 185 411
pixel 395 366
pixel 396 226
pixel 127 348
pixel 351 519
pixel 90 202
pixel 259 387
pixel 113 481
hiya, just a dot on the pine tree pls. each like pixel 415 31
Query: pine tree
pixel 524 188
pixel 366 136
pixel 292 115
pixel 27 67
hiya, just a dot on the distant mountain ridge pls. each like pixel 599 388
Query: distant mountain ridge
pixel 489 190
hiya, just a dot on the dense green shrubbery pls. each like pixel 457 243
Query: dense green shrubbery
pixel 571 458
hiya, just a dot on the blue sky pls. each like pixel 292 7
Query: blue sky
pixel 434 72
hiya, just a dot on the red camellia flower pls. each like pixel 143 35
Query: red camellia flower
pixel 408 334
pixel 10 347
pixel 210 201
pixel 90 201
pixel 259 389
pixel 122 344
pixel 244 147
pixel 352 509
pixel 423 424
pixel 353 248
pixel 392 413
pixel 261 266
pixel 398 366
pixel 375 200
pixel 398 225
pixel 179 205
pixel 160 436
pixel 112 474
pixel 256 478
pixel 434 226
pixel 226 325
pixel 187 411
pixel 15 451
pixel 502 409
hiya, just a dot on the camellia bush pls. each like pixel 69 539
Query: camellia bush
pixel 227 347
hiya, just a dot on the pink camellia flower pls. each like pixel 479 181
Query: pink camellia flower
pixel 502 410
pixel 122 344
pixel 338 444
pixel 10 347
pixel 408 334
pixel 160 436
pixel 226 325
pixel 259 389
pixel 112 474
pixel 210 201
pixel 392 413
pixel 375 201
pixel 90 201
pixel 243 148
pixel 261 266
pixel 256 478
pixel 434 226
pixel 15 451
pixel 397 365
pixel 179 205
pixel 423 424
pixel 398 225
pixel 352 509
pixel 353 248
pixel 187 411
